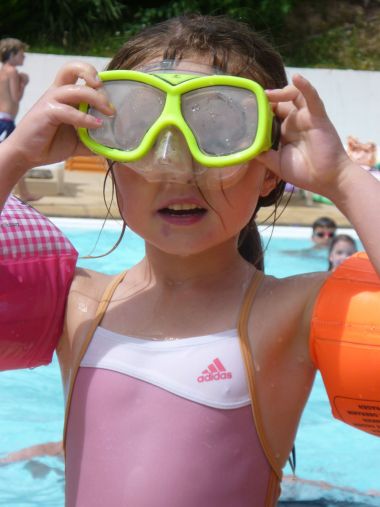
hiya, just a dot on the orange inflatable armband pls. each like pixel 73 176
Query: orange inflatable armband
pixel 345 342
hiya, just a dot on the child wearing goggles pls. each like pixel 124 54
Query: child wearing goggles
pixel 186 376
pixel 324 229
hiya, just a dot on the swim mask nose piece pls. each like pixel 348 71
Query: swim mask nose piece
pixel 171 150
pixel 169 160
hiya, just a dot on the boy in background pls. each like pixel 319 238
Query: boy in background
pixel 324 229
pixel 12 86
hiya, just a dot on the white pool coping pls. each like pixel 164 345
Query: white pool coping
pixel 279 231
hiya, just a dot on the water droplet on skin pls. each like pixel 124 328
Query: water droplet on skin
pixel 257 367
pixel 83 307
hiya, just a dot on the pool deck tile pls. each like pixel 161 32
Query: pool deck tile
pixel 83 198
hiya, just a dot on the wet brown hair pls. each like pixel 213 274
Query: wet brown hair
pixel 229 45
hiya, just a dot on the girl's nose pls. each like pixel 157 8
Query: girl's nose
pixel 172 155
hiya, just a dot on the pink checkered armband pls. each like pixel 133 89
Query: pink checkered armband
pixel 37 264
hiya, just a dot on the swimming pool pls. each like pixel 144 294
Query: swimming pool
pixel 32 403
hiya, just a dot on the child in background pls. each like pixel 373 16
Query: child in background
pixel 12 86
pixel 341 247
pixel 12 83
pixel 323 232
pixel 158 407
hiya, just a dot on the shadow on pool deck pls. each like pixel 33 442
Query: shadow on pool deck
pixel 83 198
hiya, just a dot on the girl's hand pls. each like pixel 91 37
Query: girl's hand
pixel 311 155
pixel 47 132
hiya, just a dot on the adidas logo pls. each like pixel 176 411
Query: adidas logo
pixel 214 371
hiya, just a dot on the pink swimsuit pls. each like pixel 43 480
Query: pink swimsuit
pixel 164 424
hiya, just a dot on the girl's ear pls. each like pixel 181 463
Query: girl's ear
pixel 270 182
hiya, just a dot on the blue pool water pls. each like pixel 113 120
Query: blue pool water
pixel 31 409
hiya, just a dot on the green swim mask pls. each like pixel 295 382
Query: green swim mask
pixel 225 120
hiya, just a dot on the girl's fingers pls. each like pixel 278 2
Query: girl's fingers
pixel 71 72
pixel 310 94
pixel 288 94
pixel 65 114
pixel 75 94
pixel 283 109
pixel 300 94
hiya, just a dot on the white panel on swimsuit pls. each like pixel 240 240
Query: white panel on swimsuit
pixel 206 369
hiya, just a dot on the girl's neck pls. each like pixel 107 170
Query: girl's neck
pixel 200 268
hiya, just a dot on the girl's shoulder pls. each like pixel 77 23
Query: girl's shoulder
pixel 91 283
pixel 302 286
pixel 85 294
pixel 291 299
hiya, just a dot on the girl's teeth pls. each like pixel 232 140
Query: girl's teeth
pixel 181 207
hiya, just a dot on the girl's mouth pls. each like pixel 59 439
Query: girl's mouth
pixel 182 210
pixel 182 213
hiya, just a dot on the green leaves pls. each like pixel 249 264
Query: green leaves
pixel 66 21
pixel 306 32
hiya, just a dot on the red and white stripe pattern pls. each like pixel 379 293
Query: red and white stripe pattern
pixel 25 233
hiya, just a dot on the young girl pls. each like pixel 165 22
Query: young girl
pixel 341 247
pixel 158 406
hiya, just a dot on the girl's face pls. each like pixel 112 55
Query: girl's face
pixel 340 251
pixel 184 218
pixel 187 215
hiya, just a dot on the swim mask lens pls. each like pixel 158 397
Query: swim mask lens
pixel 225 120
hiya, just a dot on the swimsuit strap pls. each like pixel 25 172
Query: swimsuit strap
pixel 100 311
pixel 250 371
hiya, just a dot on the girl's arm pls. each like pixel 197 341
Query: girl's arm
pixel 341 325
pixel 47 132
pixel 37 262
pixel 312 157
